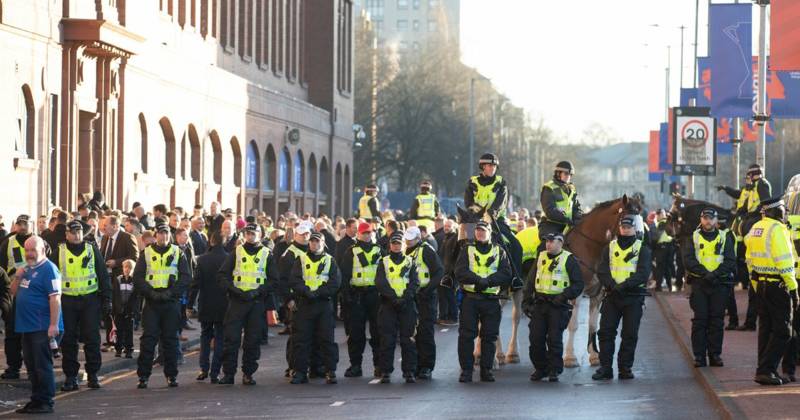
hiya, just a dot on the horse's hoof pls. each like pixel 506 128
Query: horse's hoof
pixel 594 359
pixel 571 362
pixel 501 359
pixel 512 358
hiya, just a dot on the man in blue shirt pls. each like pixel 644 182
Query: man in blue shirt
pixel 37 288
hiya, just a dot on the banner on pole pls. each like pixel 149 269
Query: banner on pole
pixel 731 49
pixel 694 146
pixel 785 35
pixel 663 148
pixel 652 153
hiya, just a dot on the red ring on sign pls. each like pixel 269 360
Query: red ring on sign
pixel 695 142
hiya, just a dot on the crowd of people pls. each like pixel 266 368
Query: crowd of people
pixel 75 273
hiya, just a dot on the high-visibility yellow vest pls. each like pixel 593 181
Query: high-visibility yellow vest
pixel 13 262
pixel 794 226
pixel 563 202
pixel 397 274
pixel 551 273
pixel 316 273
pixel 529 240
pixel 770 252
pixel 621 269
pixel 749 199
pixel 427 206
pixel 297 252
pixel 250 271
pixel 364 274
pixel 363 207
pixel 483 265
pixel 160 267
pixel 664 238
pixel 485 195
pixel 77 271
pixel 709 253
pixel 423 273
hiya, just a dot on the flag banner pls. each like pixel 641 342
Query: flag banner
pixel 663 148
pixel 731 49
pixel 785 35
pixel 704 84
pixel 652 153
pixel 687 94
pixel 783 92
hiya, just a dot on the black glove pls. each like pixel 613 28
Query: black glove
pixel 720 187
pixel 309 294
pixel 481 285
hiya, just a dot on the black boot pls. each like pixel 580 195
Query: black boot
pixel 248 380
pixel 537 375
pixel 353 372
pixel 768 379
pixel 409 377
pixel 93 382
pixel 700 362
pixel 10 374
pixel 386 378
pixel 625 373
pixel 603 374
pixel 142 383
pixel 172 381
pixel 226 380
pixel 299 378
pixel 487 375
pixel 466 376
pixel 70 384
pixel 424 374
pixel 553 376
pixel 330 378
pixel 715 361
pixel 202 376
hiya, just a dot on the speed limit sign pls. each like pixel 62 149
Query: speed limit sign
pixel 694 144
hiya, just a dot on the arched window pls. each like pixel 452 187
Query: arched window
pixel 312 174
pixel 143 130
pixel 284 166
pixel 237 162
pixel 169 145
pixel 299 173
pixel 348 201
pixel 251 181
pixel 26 119
pixel 325 176
pixel 269 169
pixel 194 145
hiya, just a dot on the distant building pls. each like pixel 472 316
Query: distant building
pixel 177 102
pixel 408 23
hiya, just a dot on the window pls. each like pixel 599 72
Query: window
pixel 251 180
pixel 375 8
pixel 25 123
pixel 284 162
pixel 432 26
pixel 402 25
pixel 433 3
pixel 53 150
pixel 415 3
pixel 402 4
pixel 299 173
pixel 416 25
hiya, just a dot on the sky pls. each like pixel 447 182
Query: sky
pixel 576 62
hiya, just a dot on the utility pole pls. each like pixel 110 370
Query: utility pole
pixel 761 116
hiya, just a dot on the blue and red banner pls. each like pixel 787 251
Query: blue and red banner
pixel 785 35
pixel 664 146
pixel 731 46
pixel 654 173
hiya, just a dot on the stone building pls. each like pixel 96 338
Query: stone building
pixel 247 102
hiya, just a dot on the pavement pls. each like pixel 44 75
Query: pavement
pixel 732 386
pixel 665 387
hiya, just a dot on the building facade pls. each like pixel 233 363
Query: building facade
pixel 408 23
pixel 246 102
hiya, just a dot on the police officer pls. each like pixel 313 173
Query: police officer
pixel 770 260
pixel 555 280
pixel 286 261
pixel 359 266
pixel 429 271
pixel 425 207
pixel 789 362
pixel 12 258
pixel 730 307
pixel 482 269
pixel 623 272
pixel 85 289
pixel 663 252
pixel 560 203
pixel 397 283
pixel 315 282
pixel 161 276
pixel 247 274
pixel 710 262
pixel 368 206
pixel 529 241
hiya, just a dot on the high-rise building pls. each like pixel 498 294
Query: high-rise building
pixel 181 102
pixel 409 24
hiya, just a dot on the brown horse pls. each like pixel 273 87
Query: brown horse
pixel 586 241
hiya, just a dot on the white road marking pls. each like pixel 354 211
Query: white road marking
pixel 445 329
pixel 374 381
pixel 337 404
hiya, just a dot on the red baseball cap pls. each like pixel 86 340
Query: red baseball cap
pixel 364 228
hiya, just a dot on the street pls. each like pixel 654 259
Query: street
pixel 664 388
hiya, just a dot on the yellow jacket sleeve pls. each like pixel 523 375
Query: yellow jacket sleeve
pixel 783 255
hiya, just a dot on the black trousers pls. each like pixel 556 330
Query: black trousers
pixel 789 362
pixel 751 318
pixel 39 361
pixel 664 265
pixel 546 336
pixel 12 341
pixel 313 333
pixel 680 271
pixel 81 323
pixel 448 308
pixel 774 325
pixel 426 319
pixel 124 324
pixel 160 322
pixel 475 311
pixel 247 317
pixel 708 324
pixel 364 303
pixel 732 308
pixel 629 310
pixel 393 322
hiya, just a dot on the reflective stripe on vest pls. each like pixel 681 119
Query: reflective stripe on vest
pixel 563 203
pixel 483 265
pixel 769 250
pixel 160 267
pixel 397 274
pixel 13 263
pixel 794 226
pixel 363 207
pixel 364 274
pixel 551 273
pixel 529 240
pixel 250 271
pixel 621 269
pixel 77 278
pixel 708 253
pixel 485 194
pixel 423 273
pixel 427 206
pixel 315 273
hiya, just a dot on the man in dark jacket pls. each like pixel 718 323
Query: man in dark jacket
pixel 212 304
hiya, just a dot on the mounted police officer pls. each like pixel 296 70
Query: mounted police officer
pixel 559 200
pixel 425 206
pixel 771 262
pixel 554 280
pixel 247 275
pixel 710 262
pixel 368 206
pixel 161 276
pixel 623 271
pixel 86 289
pixel 482 269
